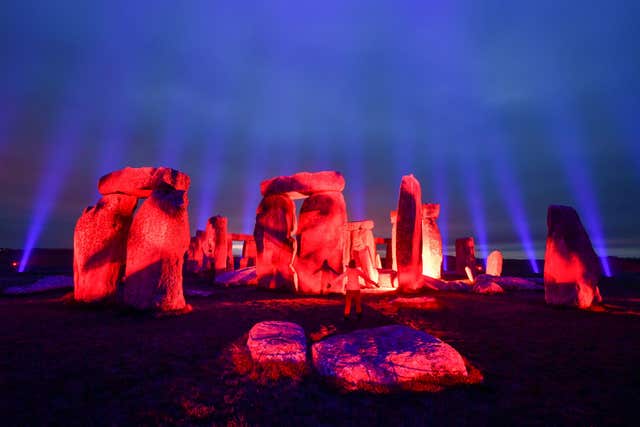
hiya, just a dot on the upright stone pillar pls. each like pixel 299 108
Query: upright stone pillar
pixel 217 244
pixel 393 258
pixel 431 241
pixel 100 247
pixel 275 244
pixel 494 263
pixel 409 235
pixel 158 240
pixel 320 255
pixel 572 269
pixel 465 255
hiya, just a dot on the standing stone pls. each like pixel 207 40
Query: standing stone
pixel 431 241
pixel 217 247
pixel 158 240
pixel 465 255
pixel 391 254
pixel 275 244
pixel 208 249
pixel 388 259
pixel 100 247
pixel 249 253
pixel 195 253
pixel 230 261
pixel 321 230
pixel 409 234
pixel 360 246
pixel 494 263
pixel 572 269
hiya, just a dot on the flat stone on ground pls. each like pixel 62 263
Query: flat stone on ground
pixel 280 345
pixel 388 358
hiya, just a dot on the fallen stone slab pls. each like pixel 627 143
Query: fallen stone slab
pixel 387 359
pixel 45 284
pixel 512 283
pixel 241 277
pixel 446 285
pixel 279 348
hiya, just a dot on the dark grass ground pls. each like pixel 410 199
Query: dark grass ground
pixel 61 364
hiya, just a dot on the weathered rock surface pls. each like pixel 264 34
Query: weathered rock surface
pixel 494 263
pixel 100 247
pixel 409 234
pixel 140 182
pixel 275 244
pixel 158 240
pixel 303 184
pixel 388 358
pixel 321 229
pixel 282 346
pixel 431 241
pixel 465 255
pixel 572 269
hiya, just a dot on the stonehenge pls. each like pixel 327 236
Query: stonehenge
pixel 135 253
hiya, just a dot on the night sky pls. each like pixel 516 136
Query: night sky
pixel 499 108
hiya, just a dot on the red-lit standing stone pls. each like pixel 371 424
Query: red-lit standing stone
pixel 431 241
pixel 217 230
pixel 100 246
pixel 195 253
pixel 572 269
pixel 275 244
pixel 494 263
pixel 409 234
pixel 322 238
pixel 158 240
pixel 465 255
